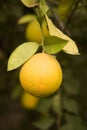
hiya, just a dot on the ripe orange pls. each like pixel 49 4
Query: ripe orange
pixel 33 31
pixel 41 75
pixel 28 101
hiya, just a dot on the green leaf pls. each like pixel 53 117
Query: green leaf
pixel 45 102
pixel 70 47
pixel 73 118
pixel 43 7
pixel 81 127
pixel 68 126
pixel 21 54
pixel 73 123
pixel 30 3
pixel 56 104
pixel 26 18
pixel 45 123
pixel 73 126
pixel 53 44
pixel 71 84
pixel 64 9
pixel 16 92
pixel 70 105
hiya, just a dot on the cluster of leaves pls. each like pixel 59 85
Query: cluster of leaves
pixel 70 106
pixel 54 43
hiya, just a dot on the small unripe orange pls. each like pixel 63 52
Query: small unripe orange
pixel 33 31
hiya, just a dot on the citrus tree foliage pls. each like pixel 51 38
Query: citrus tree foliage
pixel 52 45
pixel 67 108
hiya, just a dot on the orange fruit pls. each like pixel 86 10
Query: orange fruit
pixel 41 75
pixel 28 101
pixel 33 31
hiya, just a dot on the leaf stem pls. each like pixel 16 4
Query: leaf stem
pixel 40 19
pixel 42 33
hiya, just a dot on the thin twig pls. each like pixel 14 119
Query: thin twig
pixel 59 22
pixel 72 13
pixel 52 2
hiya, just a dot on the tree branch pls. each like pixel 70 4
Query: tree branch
pixel 58 21
pixel 72 12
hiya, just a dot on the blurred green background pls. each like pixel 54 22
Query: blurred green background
pixel 66 109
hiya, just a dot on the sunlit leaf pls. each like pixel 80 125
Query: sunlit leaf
pixel 21 54
pixel 70 47
pixel 43 7
pixel 30 3
pixel 26 18
pixel 54 44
